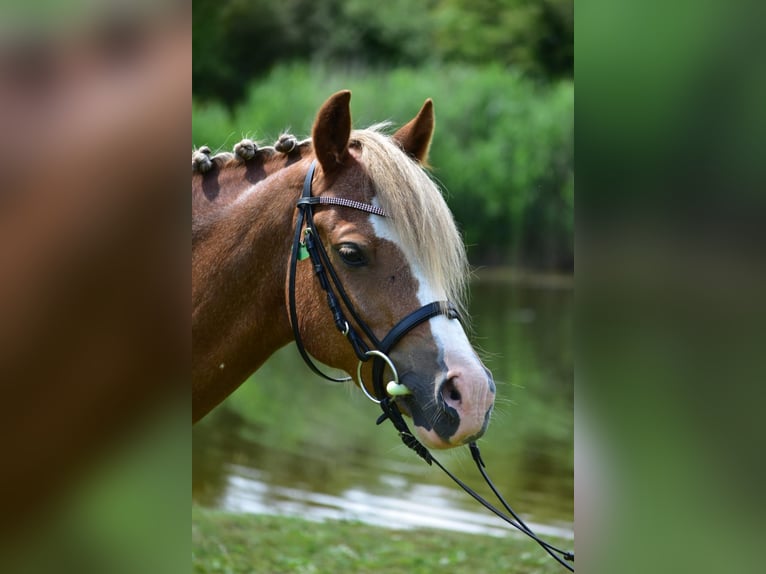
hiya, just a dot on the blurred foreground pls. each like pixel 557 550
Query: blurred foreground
pixel 94 337
pixel 670 288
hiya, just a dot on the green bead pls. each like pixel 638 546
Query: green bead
pixel 397 390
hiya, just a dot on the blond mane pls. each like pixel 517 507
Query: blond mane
pixel 417 211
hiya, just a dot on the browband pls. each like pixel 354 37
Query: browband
pixel 358 205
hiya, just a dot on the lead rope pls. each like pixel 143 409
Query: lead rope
pixel 392 413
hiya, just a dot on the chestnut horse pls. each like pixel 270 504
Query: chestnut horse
pixel 387 237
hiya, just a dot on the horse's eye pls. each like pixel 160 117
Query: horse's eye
pixel 351 255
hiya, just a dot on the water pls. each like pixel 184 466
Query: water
pixel 288 443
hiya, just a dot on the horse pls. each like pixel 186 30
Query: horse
pixel 387 265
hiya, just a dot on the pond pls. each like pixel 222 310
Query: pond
pixel 287 442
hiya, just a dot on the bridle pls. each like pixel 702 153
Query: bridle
pixel 307 244
pixel 311 246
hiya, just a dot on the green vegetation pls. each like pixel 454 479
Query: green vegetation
pixel 234 543
pixel 238 41
pixel 503 148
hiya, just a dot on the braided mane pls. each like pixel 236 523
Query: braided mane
pixel 245 150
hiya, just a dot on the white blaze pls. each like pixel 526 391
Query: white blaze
pixel 449 336
pixel 463 365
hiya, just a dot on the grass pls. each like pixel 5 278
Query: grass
pixel 239 543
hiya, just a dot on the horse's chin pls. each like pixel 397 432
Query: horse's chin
pixel 429 438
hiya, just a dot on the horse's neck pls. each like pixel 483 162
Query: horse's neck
pixel 240 247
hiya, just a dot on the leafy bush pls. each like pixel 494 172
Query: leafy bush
pixel 238 41
pixel 503 150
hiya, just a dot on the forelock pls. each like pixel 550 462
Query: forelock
pixel 417 210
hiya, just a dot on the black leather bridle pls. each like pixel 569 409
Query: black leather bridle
pixel 376 350
pixel 308 244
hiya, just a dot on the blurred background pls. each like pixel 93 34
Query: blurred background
pixel 500 73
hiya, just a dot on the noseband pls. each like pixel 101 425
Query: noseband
pixel 378 350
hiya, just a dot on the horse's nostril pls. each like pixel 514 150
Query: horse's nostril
pixel 450 393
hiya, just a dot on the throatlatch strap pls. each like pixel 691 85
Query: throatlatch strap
pixel 291 281
pixel 325 273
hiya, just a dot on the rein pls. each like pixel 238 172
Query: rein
pixel 377 351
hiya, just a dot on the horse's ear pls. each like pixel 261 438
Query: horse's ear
pixel 415 135
pixel 331 131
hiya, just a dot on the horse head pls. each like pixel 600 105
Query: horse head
pixel 389 267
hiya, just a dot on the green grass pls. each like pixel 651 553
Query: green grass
pixel 238 543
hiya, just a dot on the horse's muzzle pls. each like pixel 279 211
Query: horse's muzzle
pixel 454 413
